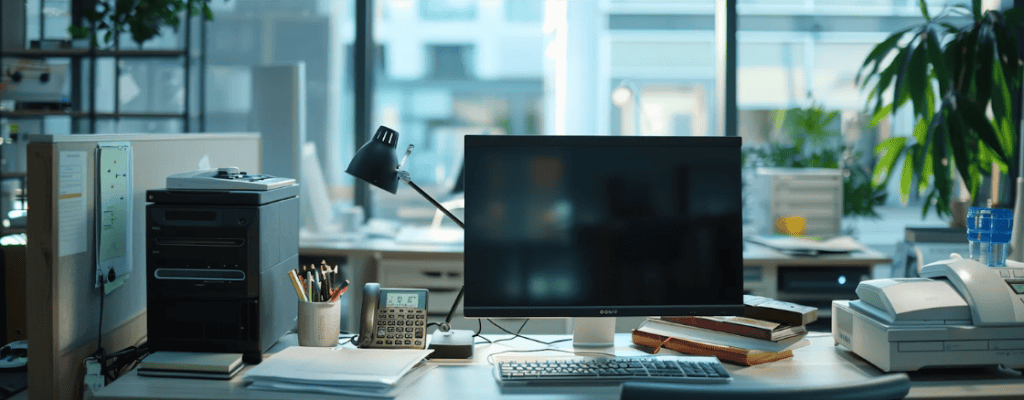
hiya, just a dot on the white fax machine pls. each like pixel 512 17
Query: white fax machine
pixel 961 313
pixel 225 179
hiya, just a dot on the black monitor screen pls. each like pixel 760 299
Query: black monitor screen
pixel 581 226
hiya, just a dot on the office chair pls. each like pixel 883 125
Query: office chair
pixel 890 386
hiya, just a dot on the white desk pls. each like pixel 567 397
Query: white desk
pixel 439 266
pixel 821 363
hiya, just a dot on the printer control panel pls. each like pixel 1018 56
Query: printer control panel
pixel 230 178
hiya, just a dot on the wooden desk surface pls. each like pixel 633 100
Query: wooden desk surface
pixel 819 363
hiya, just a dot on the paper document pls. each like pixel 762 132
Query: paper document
pixel 365 372
pixel 798 245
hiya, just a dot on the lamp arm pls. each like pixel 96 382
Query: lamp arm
pixel 405 177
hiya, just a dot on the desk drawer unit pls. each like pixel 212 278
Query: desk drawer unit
pixel 813 193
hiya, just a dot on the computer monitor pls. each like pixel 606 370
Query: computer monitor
pixel 602 226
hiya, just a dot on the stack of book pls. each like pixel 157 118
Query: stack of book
pixel 768 331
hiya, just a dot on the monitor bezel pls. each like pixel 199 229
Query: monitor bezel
pixel 479 141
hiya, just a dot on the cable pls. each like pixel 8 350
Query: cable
pixel 527 337
pixel 518 331
pixel 480 328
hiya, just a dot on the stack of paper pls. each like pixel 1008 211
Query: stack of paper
pixel 354 372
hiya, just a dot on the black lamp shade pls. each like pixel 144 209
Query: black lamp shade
pixel 377 162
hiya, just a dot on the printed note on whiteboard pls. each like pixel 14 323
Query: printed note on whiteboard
pixel 71 217
pixel 113 214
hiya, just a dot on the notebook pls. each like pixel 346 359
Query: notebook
pixel 191 365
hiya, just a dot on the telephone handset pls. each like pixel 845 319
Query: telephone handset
pixel 393 318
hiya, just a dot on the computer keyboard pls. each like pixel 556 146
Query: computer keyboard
pixel 644 368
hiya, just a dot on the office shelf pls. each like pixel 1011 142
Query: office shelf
pixel 72 53
pixel 82 76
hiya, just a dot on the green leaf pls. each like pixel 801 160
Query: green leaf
pixel 974 118
pixel 976 7
pixel 1014 17
pixel 907 179
pixel 878 54
pixel 78 32
pixel 897 92
pixel 207 13
pixel 921 130
pixel 984 57
pixel 935 129
pixel 925 172
pixel 959 142
pixel 1006 52
pixel 927 17
pixel 938 62
pixel 888 152
pixel 917 75
pixel 941 171
pixel 880 115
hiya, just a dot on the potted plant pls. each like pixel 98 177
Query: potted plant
pixel 813 142
pixel 143 18
pixel 974 67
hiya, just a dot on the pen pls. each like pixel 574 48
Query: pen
pixel 309 285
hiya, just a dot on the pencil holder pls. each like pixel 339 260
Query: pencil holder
pixel 319 323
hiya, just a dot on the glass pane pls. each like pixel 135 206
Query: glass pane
pixel 151 86
pixel 798 61
pixel 247 35
pixel 534 68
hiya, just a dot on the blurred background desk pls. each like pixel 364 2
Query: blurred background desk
pixel 437 267
pixel 809 280
pixel 814 281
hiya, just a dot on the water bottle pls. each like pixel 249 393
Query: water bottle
pixel 988 231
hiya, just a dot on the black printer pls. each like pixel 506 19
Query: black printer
pixel 218 248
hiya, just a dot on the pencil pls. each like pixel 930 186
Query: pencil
pixel 296 284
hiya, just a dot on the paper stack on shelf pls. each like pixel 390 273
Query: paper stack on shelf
pixel 366 373
pixel 745 340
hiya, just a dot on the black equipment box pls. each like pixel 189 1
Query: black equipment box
pixel 216 269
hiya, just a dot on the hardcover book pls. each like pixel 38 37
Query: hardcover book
pixel 767 309
pixel 749 327
pixel 725 353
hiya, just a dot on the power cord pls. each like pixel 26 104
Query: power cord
pixel 518 331
pixel 480 328
pixel 517 335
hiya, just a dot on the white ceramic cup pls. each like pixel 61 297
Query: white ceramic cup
pixel 319 323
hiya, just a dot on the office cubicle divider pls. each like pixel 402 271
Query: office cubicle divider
pixel 64 304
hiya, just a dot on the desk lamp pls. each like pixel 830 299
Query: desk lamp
pixel 377 163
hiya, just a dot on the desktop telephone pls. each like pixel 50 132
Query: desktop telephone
pixel 393 318
pixel 960 313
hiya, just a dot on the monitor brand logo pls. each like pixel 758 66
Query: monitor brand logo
pixel 608 312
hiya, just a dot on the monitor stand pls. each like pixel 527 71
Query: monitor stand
pixel 593 332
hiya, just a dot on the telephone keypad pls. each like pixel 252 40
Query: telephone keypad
pixel 405 327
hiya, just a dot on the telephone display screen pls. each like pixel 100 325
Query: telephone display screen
pixel 1018 287
pixel 402 300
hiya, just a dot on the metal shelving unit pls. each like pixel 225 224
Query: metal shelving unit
pixel 83 94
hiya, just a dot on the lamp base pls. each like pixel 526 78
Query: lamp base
pixel 456 344
pixel 1017 237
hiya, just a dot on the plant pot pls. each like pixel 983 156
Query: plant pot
pixel 958 214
